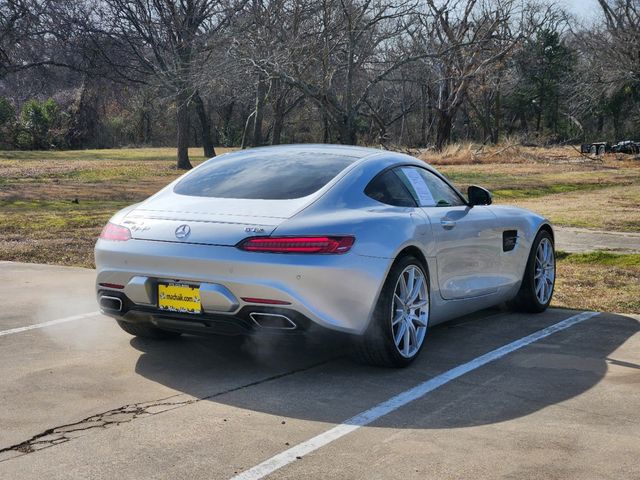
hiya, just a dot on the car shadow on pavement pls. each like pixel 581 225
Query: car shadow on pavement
pixel 311 377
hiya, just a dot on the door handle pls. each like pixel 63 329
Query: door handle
pixel 447 224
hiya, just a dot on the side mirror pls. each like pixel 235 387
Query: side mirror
pixel 479 196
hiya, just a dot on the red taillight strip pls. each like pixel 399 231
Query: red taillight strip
pixel 266 301
pixel 112 285
pixel 310 244
pixel 111 231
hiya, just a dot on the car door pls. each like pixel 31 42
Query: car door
pixel 467 240
pixel 389 188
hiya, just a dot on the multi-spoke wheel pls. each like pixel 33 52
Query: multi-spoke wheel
pixel 410 311
pixel 545 271
pixel 401 318
pixel 539 279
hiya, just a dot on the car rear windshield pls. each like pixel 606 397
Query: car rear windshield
pixel 264 175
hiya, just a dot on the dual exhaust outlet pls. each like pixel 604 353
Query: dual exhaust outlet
pixel 272 321
pixel 110 303
pixel 267 321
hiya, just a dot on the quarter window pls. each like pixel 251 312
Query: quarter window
pixel 389 188
pixel 429 189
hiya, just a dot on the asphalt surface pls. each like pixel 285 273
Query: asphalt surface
pixel 82 399
pixel 580 240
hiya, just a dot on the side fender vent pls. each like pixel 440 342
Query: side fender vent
pixel 509 240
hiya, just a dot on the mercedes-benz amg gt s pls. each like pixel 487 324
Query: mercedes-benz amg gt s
pixel 279 239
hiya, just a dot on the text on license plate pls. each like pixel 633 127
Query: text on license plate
pixel 177 297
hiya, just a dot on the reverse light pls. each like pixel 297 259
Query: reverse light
pixel 118 233
pixel 333 244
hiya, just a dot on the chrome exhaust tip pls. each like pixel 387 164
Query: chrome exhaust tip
pixel 110 303
pixel 272 321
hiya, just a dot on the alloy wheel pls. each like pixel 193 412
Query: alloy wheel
pixel 410 311
pixel 545 271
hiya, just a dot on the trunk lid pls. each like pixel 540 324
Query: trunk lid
pixel 211 221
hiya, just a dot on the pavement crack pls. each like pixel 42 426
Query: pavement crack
pixel 127 413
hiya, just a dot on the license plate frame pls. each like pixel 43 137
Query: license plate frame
pixel 179 297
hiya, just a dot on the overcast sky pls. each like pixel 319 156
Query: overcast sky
pixel 585 9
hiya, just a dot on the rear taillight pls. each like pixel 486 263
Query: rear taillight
pixel 112 285
pixel 111 231
pixel 332 244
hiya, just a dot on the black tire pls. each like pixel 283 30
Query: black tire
pixel 526 300
pixel 146 331
pixel 377 346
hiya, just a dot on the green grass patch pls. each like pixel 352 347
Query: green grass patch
pixel 508 187
pixel 136 154
pixel 472 177
pixel 33 219
pixel 121 173
pixel 621 260
pixel 52 206
pixel 529 192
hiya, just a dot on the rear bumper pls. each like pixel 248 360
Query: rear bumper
pixel 333 291
pixel 240 322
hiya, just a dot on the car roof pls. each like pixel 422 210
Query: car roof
pixel 311 148
pixel 369 158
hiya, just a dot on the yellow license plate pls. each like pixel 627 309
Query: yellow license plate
pixel 176 297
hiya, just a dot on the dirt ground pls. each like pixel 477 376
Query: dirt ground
pixel 54 204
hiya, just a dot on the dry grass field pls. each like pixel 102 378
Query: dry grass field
pixel 570 189
pixel 53 204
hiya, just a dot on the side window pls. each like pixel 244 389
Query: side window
pixel 388 188
pixel 429 189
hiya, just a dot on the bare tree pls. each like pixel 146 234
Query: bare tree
pixel 169 42
pixel 38 33
pixel 334 52
pixel 466 39
pixel 621 43
pixel 405 72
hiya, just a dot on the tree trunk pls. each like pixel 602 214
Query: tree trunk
pixel 326 134
pixel 278 122
pixel 486 122
pixel 346 131
pixel 443 134
pixel 182 119
pixel 424 98
pixel 556 116
pixel 278 110
pixel 539 114
pixel 243 143
pixel 227 116
pixel 205 127
pixel 496 138
pixel 403 104
pixel 83 128
pixel 600 126
pixel 257 120
pixel 346 128
pixel 616 125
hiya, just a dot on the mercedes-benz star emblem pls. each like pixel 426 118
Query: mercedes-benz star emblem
pixel 183 231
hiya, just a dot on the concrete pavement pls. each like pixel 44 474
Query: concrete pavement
pixel 580 240
pixel 82 399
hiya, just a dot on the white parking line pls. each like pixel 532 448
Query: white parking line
pixel 289 456
pixel 49 323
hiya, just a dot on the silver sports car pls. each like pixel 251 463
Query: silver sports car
pixel 284 239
